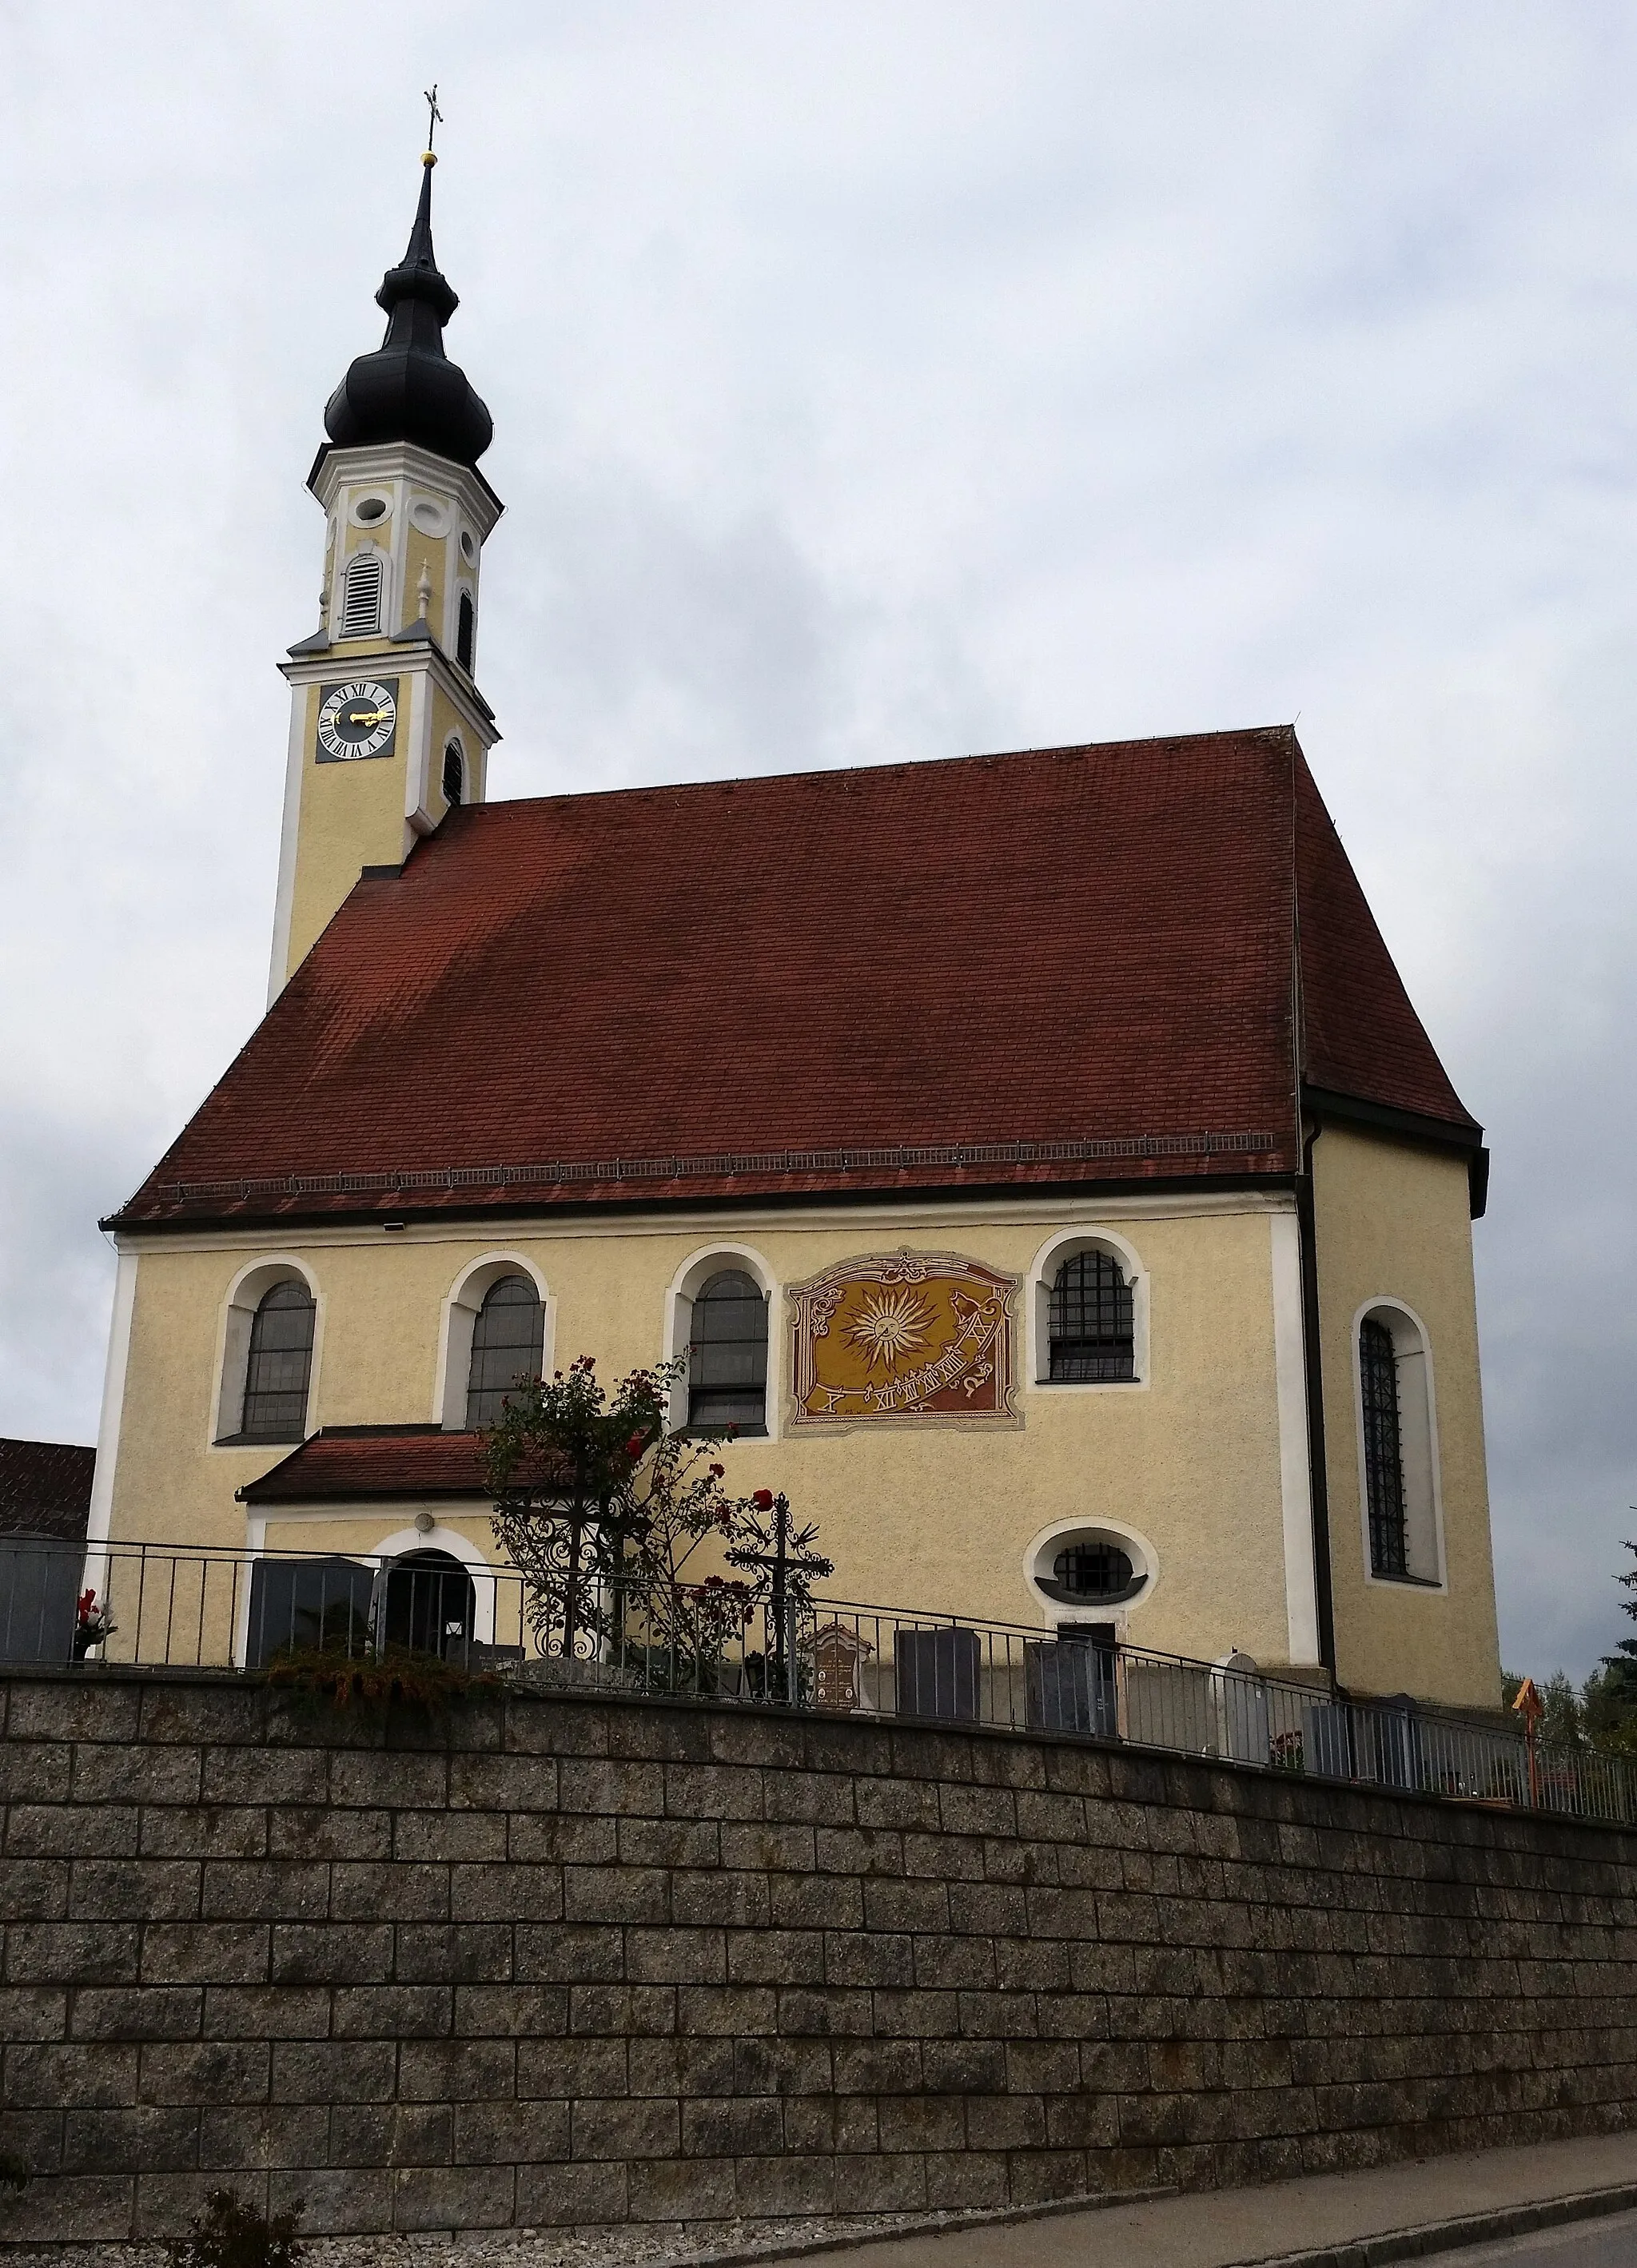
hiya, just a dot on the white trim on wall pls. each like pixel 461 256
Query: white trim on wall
pixel 416 787
pixel 1091 1237
pixel 111 1418
pixel 1296 1468
pixel 1417 1423
pixel 458 1320
pixel 677 1321
pixel 288 842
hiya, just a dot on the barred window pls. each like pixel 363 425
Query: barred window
pixel 280 1366
pixel 1090 1329
pixel 362 593
pixel 1383 1449
pixel 727 1355
pixel 508 1343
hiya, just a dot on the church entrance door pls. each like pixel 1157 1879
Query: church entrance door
pixel 429 1605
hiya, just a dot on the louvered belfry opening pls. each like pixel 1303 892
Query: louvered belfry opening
pixel 454 775
pixel 727 1355
pixel 1383 1449
pixel 508 1343
pixel 280 1367
pixel 466 633
pixel 360 606
pixel 1090 1326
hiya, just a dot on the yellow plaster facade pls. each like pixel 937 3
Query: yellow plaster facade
pixel 1194 1460
pixel 1391 1224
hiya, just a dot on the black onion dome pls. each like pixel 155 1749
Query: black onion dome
pixel 409 390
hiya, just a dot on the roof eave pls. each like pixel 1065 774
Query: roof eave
pixel 1464 1135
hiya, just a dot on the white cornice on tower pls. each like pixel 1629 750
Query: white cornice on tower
pixel 336 468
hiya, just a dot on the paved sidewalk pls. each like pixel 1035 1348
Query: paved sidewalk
pixel 1228 2229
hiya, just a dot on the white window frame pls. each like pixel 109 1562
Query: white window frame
pixel 244 1294
pixel 677 1328
pixel 1418 1436
pixel 1049 1541
pixel 1068 1244
pixel 459 1319
pixel 341 634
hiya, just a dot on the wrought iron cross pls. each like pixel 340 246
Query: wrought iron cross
pixel 788 1555
pixel 434 115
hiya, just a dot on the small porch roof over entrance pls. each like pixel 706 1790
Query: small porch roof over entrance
pixel 374 1464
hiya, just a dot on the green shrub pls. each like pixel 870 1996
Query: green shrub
pixel 229 2234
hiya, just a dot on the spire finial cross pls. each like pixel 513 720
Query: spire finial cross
pixel 434 116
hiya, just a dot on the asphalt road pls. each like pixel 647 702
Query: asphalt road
pixel 1611 2243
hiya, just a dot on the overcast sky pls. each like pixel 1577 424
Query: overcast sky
pixel 871 380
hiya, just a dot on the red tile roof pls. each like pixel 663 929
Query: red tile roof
pixel 1066 965
pixel 45 1487
pixel 347 1461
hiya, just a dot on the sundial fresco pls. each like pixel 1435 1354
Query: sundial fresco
pixel 903 1334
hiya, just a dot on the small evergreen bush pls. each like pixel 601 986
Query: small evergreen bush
pixel 229 2234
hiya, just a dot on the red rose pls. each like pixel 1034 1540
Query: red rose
pixel 635 1445
pixel 763 1500
pixel 717 1472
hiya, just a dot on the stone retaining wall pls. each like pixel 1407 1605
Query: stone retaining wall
pixel 582 1960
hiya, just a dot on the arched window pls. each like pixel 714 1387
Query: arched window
pixel 727 1355
pixel 280 1365
pixel 362 593
pixel 454 773
pixel 1090 1325
pixel 1383 1448
pixel 508 1341
pixel 466 632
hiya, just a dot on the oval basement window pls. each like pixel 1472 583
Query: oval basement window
pixel 1090 1567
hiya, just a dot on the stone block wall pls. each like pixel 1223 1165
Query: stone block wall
pixel 586 1960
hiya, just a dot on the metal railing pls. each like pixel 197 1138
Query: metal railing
pixel 62 1605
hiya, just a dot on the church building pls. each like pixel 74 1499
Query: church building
pixel 1037 1157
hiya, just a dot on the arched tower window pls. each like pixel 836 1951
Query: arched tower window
pixel 454 773
pixel 1383 1449
pixel 727 1355
pixel 1089 1324
pixel 466 633
pixel 362 593
pixel 280 1364
pixel 508 1341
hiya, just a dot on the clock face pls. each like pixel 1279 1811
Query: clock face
pixel 357 719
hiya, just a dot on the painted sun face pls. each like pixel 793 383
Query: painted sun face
pixel 357 719
pixel 888 1325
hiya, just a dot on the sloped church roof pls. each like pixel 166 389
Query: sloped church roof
pixel 1113 964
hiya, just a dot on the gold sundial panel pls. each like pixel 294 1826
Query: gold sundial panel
pixel 902 1336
